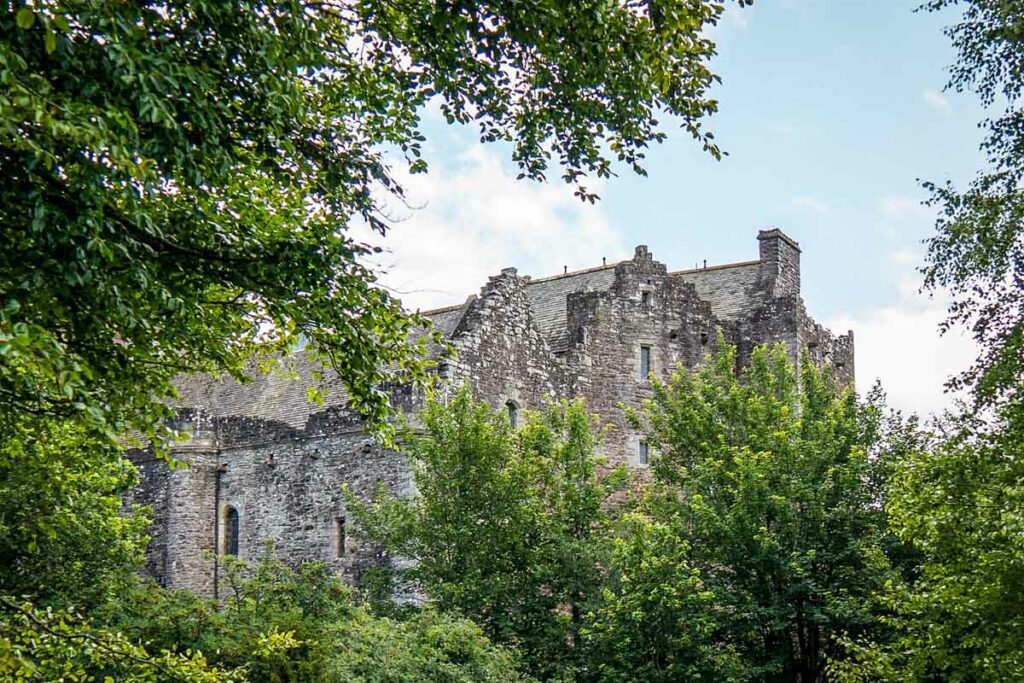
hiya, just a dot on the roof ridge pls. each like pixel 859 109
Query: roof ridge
pixel 443 309
pixel 548 278
pixel 721 266
pixel 594 269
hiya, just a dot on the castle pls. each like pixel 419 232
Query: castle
pixel 265 463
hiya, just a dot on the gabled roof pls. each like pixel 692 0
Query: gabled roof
pixel 548 297
pixel 728 288
pixel 274 396
pixel 448 318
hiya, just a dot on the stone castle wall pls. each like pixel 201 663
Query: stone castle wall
pixel 262 450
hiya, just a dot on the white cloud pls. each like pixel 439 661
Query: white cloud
pixel 467 220
pixel 782 127
pixel 937 101
pixel 901 346
pixel 904 257
pixel 902 207
pixel 811 203
pixel 734 21
pixel 738 16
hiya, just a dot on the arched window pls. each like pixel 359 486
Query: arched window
pixel 513 414
pixel 231 528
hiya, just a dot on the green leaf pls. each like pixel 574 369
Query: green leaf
pixel 25 18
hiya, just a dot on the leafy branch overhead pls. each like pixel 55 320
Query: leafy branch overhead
pixel 179 177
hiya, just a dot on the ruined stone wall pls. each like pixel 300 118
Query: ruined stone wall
pixel 153 491
pixel 289 491
pixel 828 350
pixel 500 350
pixel 645 307
pixel 285 484
pixel 182 502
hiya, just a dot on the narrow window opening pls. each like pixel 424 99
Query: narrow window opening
pixel 340 537
pixel 645 298
pixel 643 453
pixel 513 414
pixel 231 529
pixel 645 362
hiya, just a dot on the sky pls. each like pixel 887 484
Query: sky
pixel 831 112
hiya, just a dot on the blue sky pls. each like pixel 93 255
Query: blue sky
pixel 830 112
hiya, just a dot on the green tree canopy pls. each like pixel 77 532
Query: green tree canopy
pixel 506 526
pixel 178 183
pixel 657 621
pixel 768 479
pixel 978 251
pixel 301 624
pixel 179 177
pixel 958 503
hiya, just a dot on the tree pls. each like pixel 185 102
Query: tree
pixel 280 625
pixel 957 503
pixel 60 645
pixel 505 528
pixel 978 251
pixel 179 178
pixel 767 477
pixel 656 620
pixel 65 535
pixel 178 183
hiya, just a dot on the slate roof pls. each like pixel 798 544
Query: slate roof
pixel 447 319
pixel 548 299
pixel 272 395
pixel 729 288
pixel 278 397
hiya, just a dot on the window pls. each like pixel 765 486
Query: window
pixel 339 537
pixel 231 527
pixel 513 414
pixel 643 455
pixel 645 298
pixel 645 362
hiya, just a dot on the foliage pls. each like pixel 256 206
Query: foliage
pixel 274 624
pixel 179 177
pixel 656 620
pixel 302 624
pixel 179 183
pixel 66 536
pixel 51 645
pixel 426 648
pixel 978 251
pixel 958 502
pixel 505 526
pixel 769 475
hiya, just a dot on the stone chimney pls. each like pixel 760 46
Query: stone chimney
pixel 780 262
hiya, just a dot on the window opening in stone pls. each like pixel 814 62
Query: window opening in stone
pixel 645 362
pixel 231 529
pixel 643 453
pixel 513 414
pixel 339 532
pixel 645 298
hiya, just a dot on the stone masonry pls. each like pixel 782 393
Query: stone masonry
pixel 265 464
